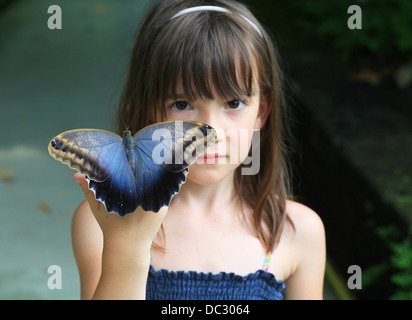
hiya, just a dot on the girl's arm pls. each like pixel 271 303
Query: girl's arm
pixel 112 252
pixel 306 282
pixel 87 242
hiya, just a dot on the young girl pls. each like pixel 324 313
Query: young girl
pixel 226 235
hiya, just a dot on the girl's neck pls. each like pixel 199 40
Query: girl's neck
pixel 208 199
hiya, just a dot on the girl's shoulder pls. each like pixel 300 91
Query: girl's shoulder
pixel 308 244
pixel 306 237
pixel 303 250
pixel 306 221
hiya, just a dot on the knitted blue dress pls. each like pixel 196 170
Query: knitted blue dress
pixel 170 285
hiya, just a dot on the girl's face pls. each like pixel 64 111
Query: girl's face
pixel 234 121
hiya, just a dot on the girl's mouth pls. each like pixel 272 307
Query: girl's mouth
pixel 211 158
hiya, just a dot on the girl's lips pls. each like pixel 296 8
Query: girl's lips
pixel 213 158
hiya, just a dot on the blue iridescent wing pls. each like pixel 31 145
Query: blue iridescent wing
pixel 100 155
pixel 147 169
pixel 164 152
pixel 118 191
pixel 89 151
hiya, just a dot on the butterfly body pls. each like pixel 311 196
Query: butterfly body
pixel 129 147
pixel 145 170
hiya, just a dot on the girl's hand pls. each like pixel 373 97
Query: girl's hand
pixel 135 230
pixel 127 240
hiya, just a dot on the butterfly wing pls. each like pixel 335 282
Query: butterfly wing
pixel 89 151
pixel 155 186
pixel 100 155
pixel 147 169
pixel 176 144
pixel 164 153
pixel 118 191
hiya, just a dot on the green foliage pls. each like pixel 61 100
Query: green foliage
pixel 373 274
pixel 400 259
pixel 386 26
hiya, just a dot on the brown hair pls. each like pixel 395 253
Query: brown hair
pixel 214 53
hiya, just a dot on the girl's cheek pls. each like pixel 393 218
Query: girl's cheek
pixel 172 115
pixel 244 143
pixel 234 143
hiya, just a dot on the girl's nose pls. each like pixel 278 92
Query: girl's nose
pixel 209 114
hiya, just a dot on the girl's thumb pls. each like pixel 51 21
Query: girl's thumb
pixel 89 194
pixel 81 180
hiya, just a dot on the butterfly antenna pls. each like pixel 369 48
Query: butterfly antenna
pixel 133 118
pixel 120 117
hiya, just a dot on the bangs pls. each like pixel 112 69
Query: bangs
pixel 210 59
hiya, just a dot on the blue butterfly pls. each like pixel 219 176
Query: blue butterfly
pixel 145 170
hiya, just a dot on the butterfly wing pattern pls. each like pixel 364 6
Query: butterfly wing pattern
pixel 145 170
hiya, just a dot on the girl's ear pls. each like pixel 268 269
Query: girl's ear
pixel 264 110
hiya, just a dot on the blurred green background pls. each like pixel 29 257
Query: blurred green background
pixel 351 95
pixel 52 81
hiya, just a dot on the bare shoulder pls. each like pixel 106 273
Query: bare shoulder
pixel 87 242
pixel 307 222
pixel 306 281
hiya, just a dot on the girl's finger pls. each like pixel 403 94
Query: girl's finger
pixel 81 180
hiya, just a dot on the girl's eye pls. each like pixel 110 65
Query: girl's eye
pixel 181 105
pixel 235 104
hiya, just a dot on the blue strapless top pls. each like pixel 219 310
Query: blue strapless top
pixel 180 285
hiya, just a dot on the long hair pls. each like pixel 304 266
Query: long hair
pixel 214 54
